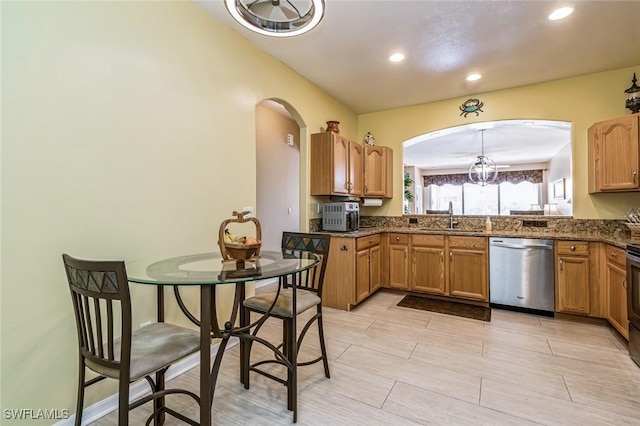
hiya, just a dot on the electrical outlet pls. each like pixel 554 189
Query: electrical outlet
pixel 535 223
pixel 290 140
pixel 248 209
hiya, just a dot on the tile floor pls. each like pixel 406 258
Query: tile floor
pixel 400 366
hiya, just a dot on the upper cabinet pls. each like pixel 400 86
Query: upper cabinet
pixel 336 165
pixel 614 155
pixel 378 171
pixel 343 167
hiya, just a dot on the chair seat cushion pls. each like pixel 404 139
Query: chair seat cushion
pixel 284 305
pixel 152 348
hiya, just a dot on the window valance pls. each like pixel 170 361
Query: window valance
pixel 533 176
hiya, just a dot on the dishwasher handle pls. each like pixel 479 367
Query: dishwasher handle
pixel 522 246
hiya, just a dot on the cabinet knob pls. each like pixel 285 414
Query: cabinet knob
pixel 573 248
pixel 624 284
pixel 635 176
pixel 614 254
pixel 343 248
pixel 397 238
pixel 561 263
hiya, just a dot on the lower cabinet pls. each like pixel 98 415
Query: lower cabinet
pixel 468 268
pixel 399 261
pixel 367 266
pixel 428 264
pixel 353 271
pixel 616 282
pixel 450 266
pixel 572 277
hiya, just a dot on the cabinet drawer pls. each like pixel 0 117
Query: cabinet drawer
pixel 398 238
pixel 367 242
pixel 616 255
pixel 468 242
pixel 427 240
pixel 574 248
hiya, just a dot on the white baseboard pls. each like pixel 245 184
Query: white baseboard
pixel 139 389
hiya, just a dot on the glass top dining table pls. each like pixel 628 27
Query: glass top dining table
pixel 208 270
pixel 211 269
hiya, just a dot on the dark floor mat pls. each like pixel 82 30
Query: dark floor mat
pixel 445 307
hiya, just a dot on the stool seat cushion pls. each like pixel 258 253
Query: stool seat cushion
pixel 284 305
pixel 153 347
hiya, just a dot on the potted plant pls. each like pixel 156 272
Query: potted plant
pixel 408 194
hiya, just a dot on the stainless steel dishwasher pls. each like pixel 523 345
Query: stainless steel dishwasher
pixel 521 274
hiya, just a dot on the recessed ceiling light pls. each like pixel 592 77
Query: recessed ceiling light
pixel 473 77
pixel 396 57
pixel 561 12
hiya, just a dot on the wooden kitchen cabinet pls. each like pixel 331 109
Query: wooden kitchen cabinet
pixel 428 263
pixel 572 277
pixel 616 282
pixel 367 266
pixel 353 271
pixel 398 261
pixel 378 172
pixel 468 267
pixel 337 165
pixel 450 266
pixel 614 155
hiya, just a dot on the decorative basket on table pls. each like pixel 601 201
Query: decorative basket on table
pixel 239 250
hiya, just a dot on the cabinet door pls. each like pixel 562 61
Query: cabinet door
pixel 341 173
pixel 617 298
pixel 340 277
pixel 428 269
pixel 468 273
pixel 374 268
pixel 356 169
pixel 362 275
pixel 398 266
pixel 616 154
pixel 375 171
pixel 572 284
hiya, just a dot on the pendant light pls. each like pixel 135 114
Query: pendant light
pixel 483 170
pixel 277 18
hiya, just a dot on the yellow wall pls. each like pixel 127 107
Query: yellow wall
pixel 581 100
pixel 123 127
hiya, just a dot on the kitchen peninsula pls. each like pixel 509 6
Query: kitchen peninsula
pixel 390 252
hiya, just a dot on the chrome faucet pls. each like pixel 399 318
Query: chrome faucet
pixel 452 223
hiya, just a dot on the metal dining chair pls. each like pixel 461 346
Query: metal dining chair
pixel 109 346
pixel 279 304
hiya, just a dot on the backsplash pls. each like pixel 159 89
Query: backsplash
pixel 530 224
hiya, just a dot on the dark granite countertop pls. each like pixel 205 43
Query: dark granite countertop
pixel 619 241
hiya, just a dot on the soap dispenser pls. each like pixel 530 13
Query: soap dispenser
pixel 487 224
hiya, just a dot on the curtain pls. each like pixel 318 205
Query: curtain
pixel 533 176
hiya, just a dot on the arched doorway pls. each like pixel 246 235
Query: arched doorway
pixel 278 171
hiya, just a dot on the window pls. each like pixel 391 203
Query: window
pixel 473 199
pixel 521 196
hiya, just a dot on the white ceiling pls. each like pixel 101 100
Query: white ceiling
pixel 511 43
